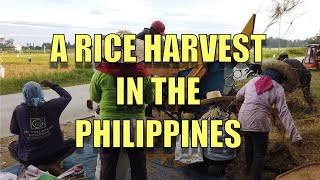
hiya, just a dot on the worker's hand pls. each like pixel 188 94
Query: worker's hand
pixel 239 103
pixel 297 143
pixel 47 83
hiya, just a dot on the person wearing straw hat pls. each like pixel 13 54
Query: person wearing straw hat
pixel 217 159
pixel 103 90
pixel 258 97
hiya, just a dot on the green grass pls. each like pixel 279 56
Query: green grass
pixel 68 78
pixel 315 83
pixel 268 53
pixel 18 71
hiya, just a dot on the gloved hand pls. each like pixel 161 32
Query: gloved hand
pixel 48 83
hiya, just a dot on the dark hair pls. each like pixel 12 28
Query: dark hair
pixel 282 56
pixel 275 75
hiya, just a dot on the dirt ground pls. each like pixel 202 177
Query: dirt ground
pixel 282 155
pixel 68 130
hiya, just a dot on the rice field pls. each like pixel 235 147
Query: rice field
pixel 18 70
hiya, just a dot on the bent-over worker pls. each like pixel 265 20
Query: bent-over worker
pixel 304 76
pixel 259 95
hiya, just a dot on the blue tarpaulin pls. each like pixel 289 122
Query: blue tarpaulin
pixel 156 166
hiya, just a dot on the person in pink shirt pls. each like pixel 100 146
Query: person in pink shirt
pixel 258 96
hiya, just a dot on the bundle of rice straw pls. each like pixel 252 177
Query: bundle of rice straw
pixel 286 70
pixel 309 171
pixel 276 122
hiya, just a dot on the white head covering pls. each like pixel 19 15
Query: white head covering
pixel 139 52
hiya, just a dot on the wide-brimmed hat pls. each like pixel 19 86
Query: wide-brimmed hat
pixel 291 75
pixel 139 52
pixel 215 96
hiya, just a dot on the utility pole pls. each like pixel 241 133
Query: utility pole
pixel 281 12
pixel 279 35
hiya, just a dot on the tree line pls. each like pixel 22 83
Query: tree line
pixel 271 42
pixel 6 43
pixel 274 42
pixel 46 45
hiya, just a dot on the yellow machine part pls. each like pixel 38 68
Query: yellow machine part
pixel 164 69
pixel 247 30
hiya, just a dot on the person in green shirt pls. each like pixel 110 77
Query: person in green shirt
pixel 103 90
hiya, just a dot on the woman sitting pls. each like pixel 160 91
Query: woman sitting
pixel 36 121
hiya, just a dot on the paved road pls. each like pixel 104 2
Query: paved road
pixel 76 109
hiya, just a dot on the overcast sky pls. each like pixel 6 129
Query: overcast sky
pixel 36 20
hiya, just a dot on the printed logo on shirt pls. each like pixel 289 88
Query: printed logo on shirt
pixel 38 123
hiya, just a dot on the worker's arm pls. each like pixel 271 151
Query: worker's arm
pixel 240 94
pixel 148 93
pixel 285 116
pixel 64 99
pixel 142 34
pixel 95 89
pixel 14 126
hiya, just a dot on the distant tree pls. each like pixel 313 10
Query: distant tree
pixel 9 43
pixel 2 40
pixel 315 39
pixel 274 42
pixel 6 43
pixel 38 48
pixel 69 45
pixel 47 45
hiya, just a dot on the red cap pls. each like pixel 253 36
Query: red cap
pixel 159 26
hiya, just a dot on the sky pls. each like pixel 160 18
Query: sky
pixel 35 21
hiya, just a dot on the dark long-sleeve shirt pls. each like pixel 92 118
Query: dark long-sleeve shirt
pixel 38 127
pixel 294 63
pixel 144 32
pixel 304 73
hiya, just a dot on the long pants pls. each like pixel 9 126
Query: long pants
pixel 219 167
pixel 109 159
pixel 67 150
pixel 256 147
pixel 148 111
pixel 305 80
pixel 123 166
